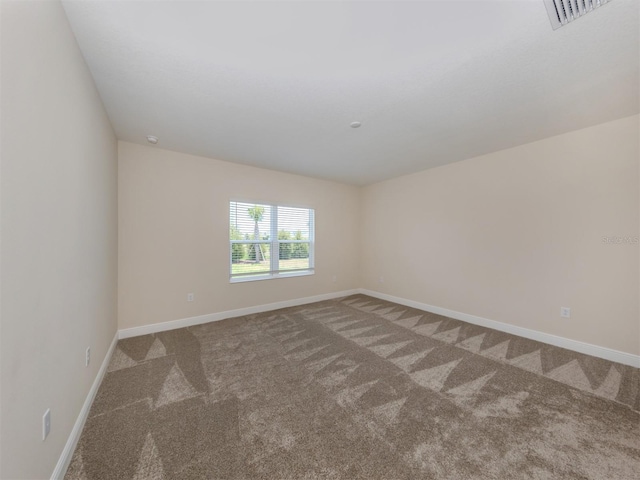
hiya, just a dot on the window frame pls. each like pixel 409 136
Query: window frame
pixel 274 243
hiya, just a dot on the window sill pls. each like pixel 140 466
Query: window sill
pixel 270 276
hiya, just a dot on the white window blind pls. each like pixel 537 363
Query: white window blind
pixel 269 241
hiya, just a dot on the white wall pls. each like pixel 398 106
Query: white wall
pixel 59 234
pixel 510 236
pixel 174 235
pixel 514 235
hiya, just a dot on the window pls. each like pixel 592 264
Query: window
pixel 269 241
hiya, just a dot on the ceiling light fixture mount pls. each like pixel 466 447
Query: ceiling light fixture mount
pixel 152 139
pixel 355 124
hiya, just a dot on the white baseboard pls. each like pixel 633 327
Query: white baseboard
pixel 214 317
pixel 575 345
pixel 586 348
pixel 74 436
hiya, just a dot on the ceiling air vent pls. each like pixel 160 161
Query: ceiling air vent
pixel 562 12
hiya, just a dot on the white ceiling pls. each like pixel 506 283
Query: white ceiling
pixel 276 84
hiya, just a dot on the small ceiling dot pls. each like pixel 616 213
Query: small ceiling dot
pixel 355 124
pixel 152 139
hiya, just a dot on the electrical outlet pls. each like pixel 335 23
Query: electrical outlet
pixel 381 279
pixel 565 312
pixel 87 357
pixel 46 424
pixel 334 279
pixel 190 297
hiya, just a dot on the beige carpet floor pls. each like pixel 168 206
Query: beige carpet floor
pixel 357 388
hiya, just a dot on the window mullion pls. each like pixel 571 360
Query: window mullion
pixel 275 250
pixel 312 238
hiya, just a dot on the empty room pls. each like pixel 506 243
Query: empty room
pixel 336 240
